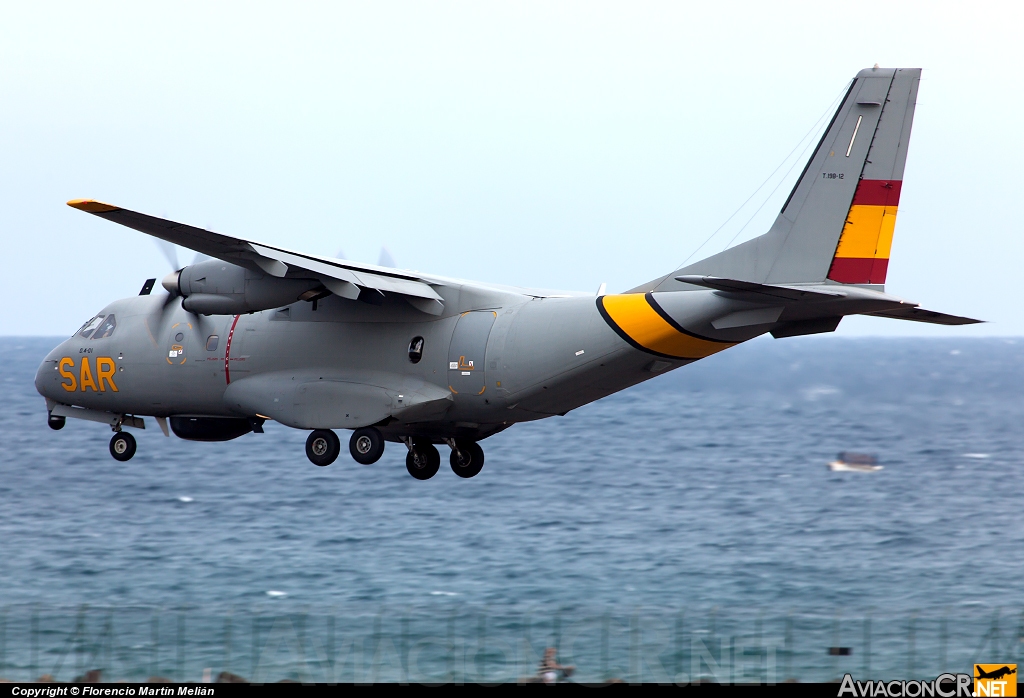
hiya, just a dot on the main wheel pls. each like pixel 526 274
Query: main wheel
pixel 122 446
pixel 322 447
pixel 467 458
pixel 366 445
pixel 423 461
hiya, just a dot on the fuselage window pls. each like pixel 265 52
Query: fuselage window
pixel 416 349
pixel 106 328
pixel 87 328
pixel 211 342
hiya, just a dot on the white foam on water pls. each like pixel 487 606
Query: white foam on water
pixel 443 593
pixel 277 594
pixel 819 391
pixel 184 499
pixel 977 455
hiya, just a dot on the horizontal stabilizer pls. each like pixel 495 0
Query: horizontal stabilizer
pixel 922 315
pixel 794 293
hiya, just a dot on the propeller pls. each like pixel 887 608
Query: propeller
pixel 170 253
pixel 170 282
pixel 386 259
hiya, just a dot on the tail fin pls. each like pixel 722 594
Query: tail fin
pixel 838 221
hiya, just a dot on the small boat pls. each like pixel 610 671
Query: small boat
pixel 847 462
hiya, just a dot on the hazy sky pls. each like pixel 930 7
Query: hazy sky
pixel 550 144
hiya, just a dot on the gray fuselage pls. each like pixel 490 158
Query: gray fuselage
pixel 530 357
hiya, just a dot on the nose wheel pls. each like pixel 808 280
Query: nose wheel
pixel 322 447
pixel 467 457
pixel 122 446
pixel 423 461
pixel 366 445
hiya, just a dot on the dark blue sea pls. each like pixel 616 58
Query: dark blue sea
pixel 670 532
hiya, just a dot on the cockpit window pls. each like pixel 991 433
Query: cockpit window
pixel 106 328
pixel 87 328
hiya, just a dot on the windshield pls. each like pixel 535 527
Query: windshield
pixel 106 328
pixel 88 327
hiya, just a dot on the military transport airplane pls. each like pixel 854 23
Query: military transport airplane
pixel 259 332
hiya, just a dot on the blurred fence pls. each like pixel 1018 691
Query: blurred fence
pixel 463 644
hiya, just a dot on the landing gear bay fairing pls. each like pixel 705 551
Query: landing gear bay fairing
pixel 261 333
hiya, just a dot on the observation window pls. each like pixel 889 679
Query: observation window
pixel 416 349
pixel 211 342
pixel 106 328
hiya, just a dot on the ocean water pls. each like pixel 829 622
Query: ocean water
pixel 695 501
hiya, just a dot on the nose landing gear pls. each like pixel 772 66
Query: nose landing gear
pixel 467 457
pixel 122 446
pixel 322 447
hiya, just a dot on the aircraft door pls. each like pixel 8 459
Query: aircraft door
pixel 466 375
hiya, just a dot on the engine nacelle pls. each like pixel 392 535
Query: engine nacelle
pixel 214 287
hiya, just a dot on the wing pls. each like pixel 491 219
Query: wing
pixel 341 277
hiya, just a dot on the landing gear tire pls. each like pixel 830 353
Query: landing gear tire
pixel 366 445
pixel 122 446
pixel 423 461
pixel 55 423
pixel 467 458
pixel 322 447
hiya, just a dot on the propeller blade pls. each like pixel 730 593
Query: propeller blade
pixel 170 253
pixel 386 259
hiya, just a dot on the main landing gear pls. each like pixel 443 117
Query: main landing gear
pixel 423 460
pixel 467 457
pixel 366 445
pixel 322 447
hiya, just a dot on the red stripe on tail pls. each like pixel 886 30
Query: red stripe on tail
pixel 853 270
pixel 877 192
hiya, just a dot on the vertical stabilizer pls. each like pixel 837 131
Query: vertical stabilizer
pixel 838 221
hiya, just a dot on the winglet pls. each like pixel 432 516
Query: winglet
pixel 91 206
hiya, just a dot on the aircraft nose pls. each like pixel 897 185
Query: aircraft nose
pixel 48 378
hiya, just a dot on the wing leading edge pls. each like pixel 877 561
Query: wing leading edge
pixel 342 277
